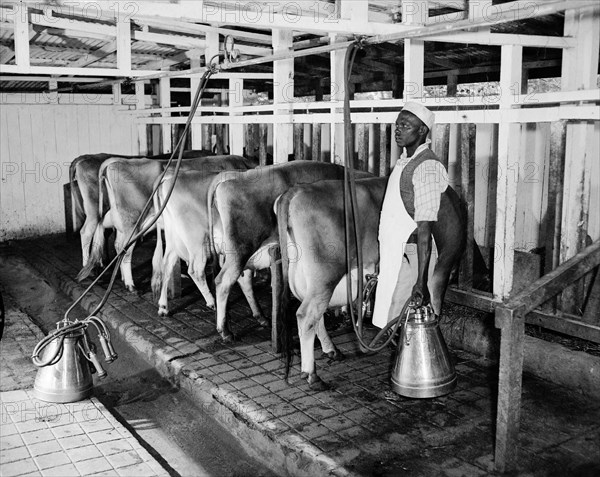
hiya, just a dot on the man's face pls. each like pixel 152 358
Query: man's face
pixel 409 129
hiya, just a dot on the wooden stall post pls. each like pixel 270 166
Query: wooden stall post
pixel 512 326
pixel 316 142
pixel 355 11
pixel 21 39
pixel 299 141
pixel 467 179
pixel 207 130
pixel 442 142
pixel 251 140
pixel 263 131
pixel 362 159
pixel 384 149
pixel 236 130
pixel 140 104
pixel 195 129
pixel 165 102
pixel 338 88
pixel 508 153
pixel 283 94
pixel 414 12
pixel 579 71
pixel 373 146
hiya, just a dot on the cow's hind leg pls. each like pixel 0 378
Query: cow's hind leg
pixel 197 271
pixel 223 283
pixel 126 274
pixel 245 282
pixel 308 316
pixel 329 349
pixel 86 233
pixel 168 265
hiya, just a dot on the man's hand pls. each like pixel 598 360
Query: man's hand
pixel 420 295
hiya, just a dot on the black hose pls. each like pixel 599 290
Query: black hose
pixel 351 216
pixel 133 237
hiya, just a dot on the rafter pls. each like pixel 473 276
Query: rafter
pixel 96 55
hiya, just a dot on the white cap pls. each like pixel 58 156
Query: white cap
pixel 420 112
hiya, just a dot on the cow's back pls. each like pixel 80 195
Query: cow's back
pixel 245 203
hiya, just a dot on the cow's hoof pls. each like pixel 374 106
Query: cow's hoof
pixel 131 289
pixel 227 336
pixel 335 355
pixel 211 306
pixel 163 311
pixel 315 383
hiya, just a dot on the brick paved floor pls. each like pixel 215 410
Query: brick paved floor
pixel 358 425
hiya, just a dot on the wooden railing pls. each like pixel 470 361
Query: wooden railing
pixel 511 318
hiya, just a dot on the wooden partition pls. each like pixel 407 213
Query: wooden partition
pixel 470 141
pixel 39 138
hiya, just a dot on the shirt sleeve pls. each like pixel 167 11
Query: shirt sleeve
pixel 430 180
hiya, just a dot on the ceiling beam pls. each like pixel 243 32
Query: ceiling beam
pixel 48 78
pixel 198 29
pixel 51 70
pixel 499 39
pixel 240 15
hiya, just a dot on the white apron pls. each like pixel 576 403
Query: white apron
pixel 397 275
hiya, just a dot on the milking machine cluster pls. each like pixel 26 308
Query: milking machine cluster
pixel 423 368
pixel 67 357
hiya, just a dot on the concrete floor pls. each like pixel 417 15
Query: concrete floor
pixel 358 427
pixel 183 439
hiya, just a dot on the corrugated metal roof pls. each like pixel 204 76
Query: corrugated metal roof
pixel 53 46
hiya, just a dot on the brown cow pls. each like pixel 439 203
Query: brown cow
pixel 83 176
pixel 311 233
pixel 249 227
pixel 128 185
pixel 185 222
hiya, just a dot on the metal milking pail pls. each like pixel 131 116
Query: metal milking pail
pixel 423 368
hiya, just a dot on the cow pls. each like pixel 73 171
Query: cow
pixel 128 185
pixel 185 222
pixel 83 176
pixel 245 207
pixel 311 233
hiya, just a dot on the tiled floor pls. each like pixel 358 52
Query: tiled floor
pixel 38 438
pixel 357 426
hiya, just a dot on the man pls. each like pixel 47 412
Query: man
pixel 417 198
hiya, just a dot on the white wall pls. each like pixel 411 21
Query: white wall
pixel 38 141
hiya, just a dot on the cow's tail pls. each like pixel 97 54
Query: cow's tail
pixel 212 190
pixel 98 241
pixel 76 197
pixel 286 315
